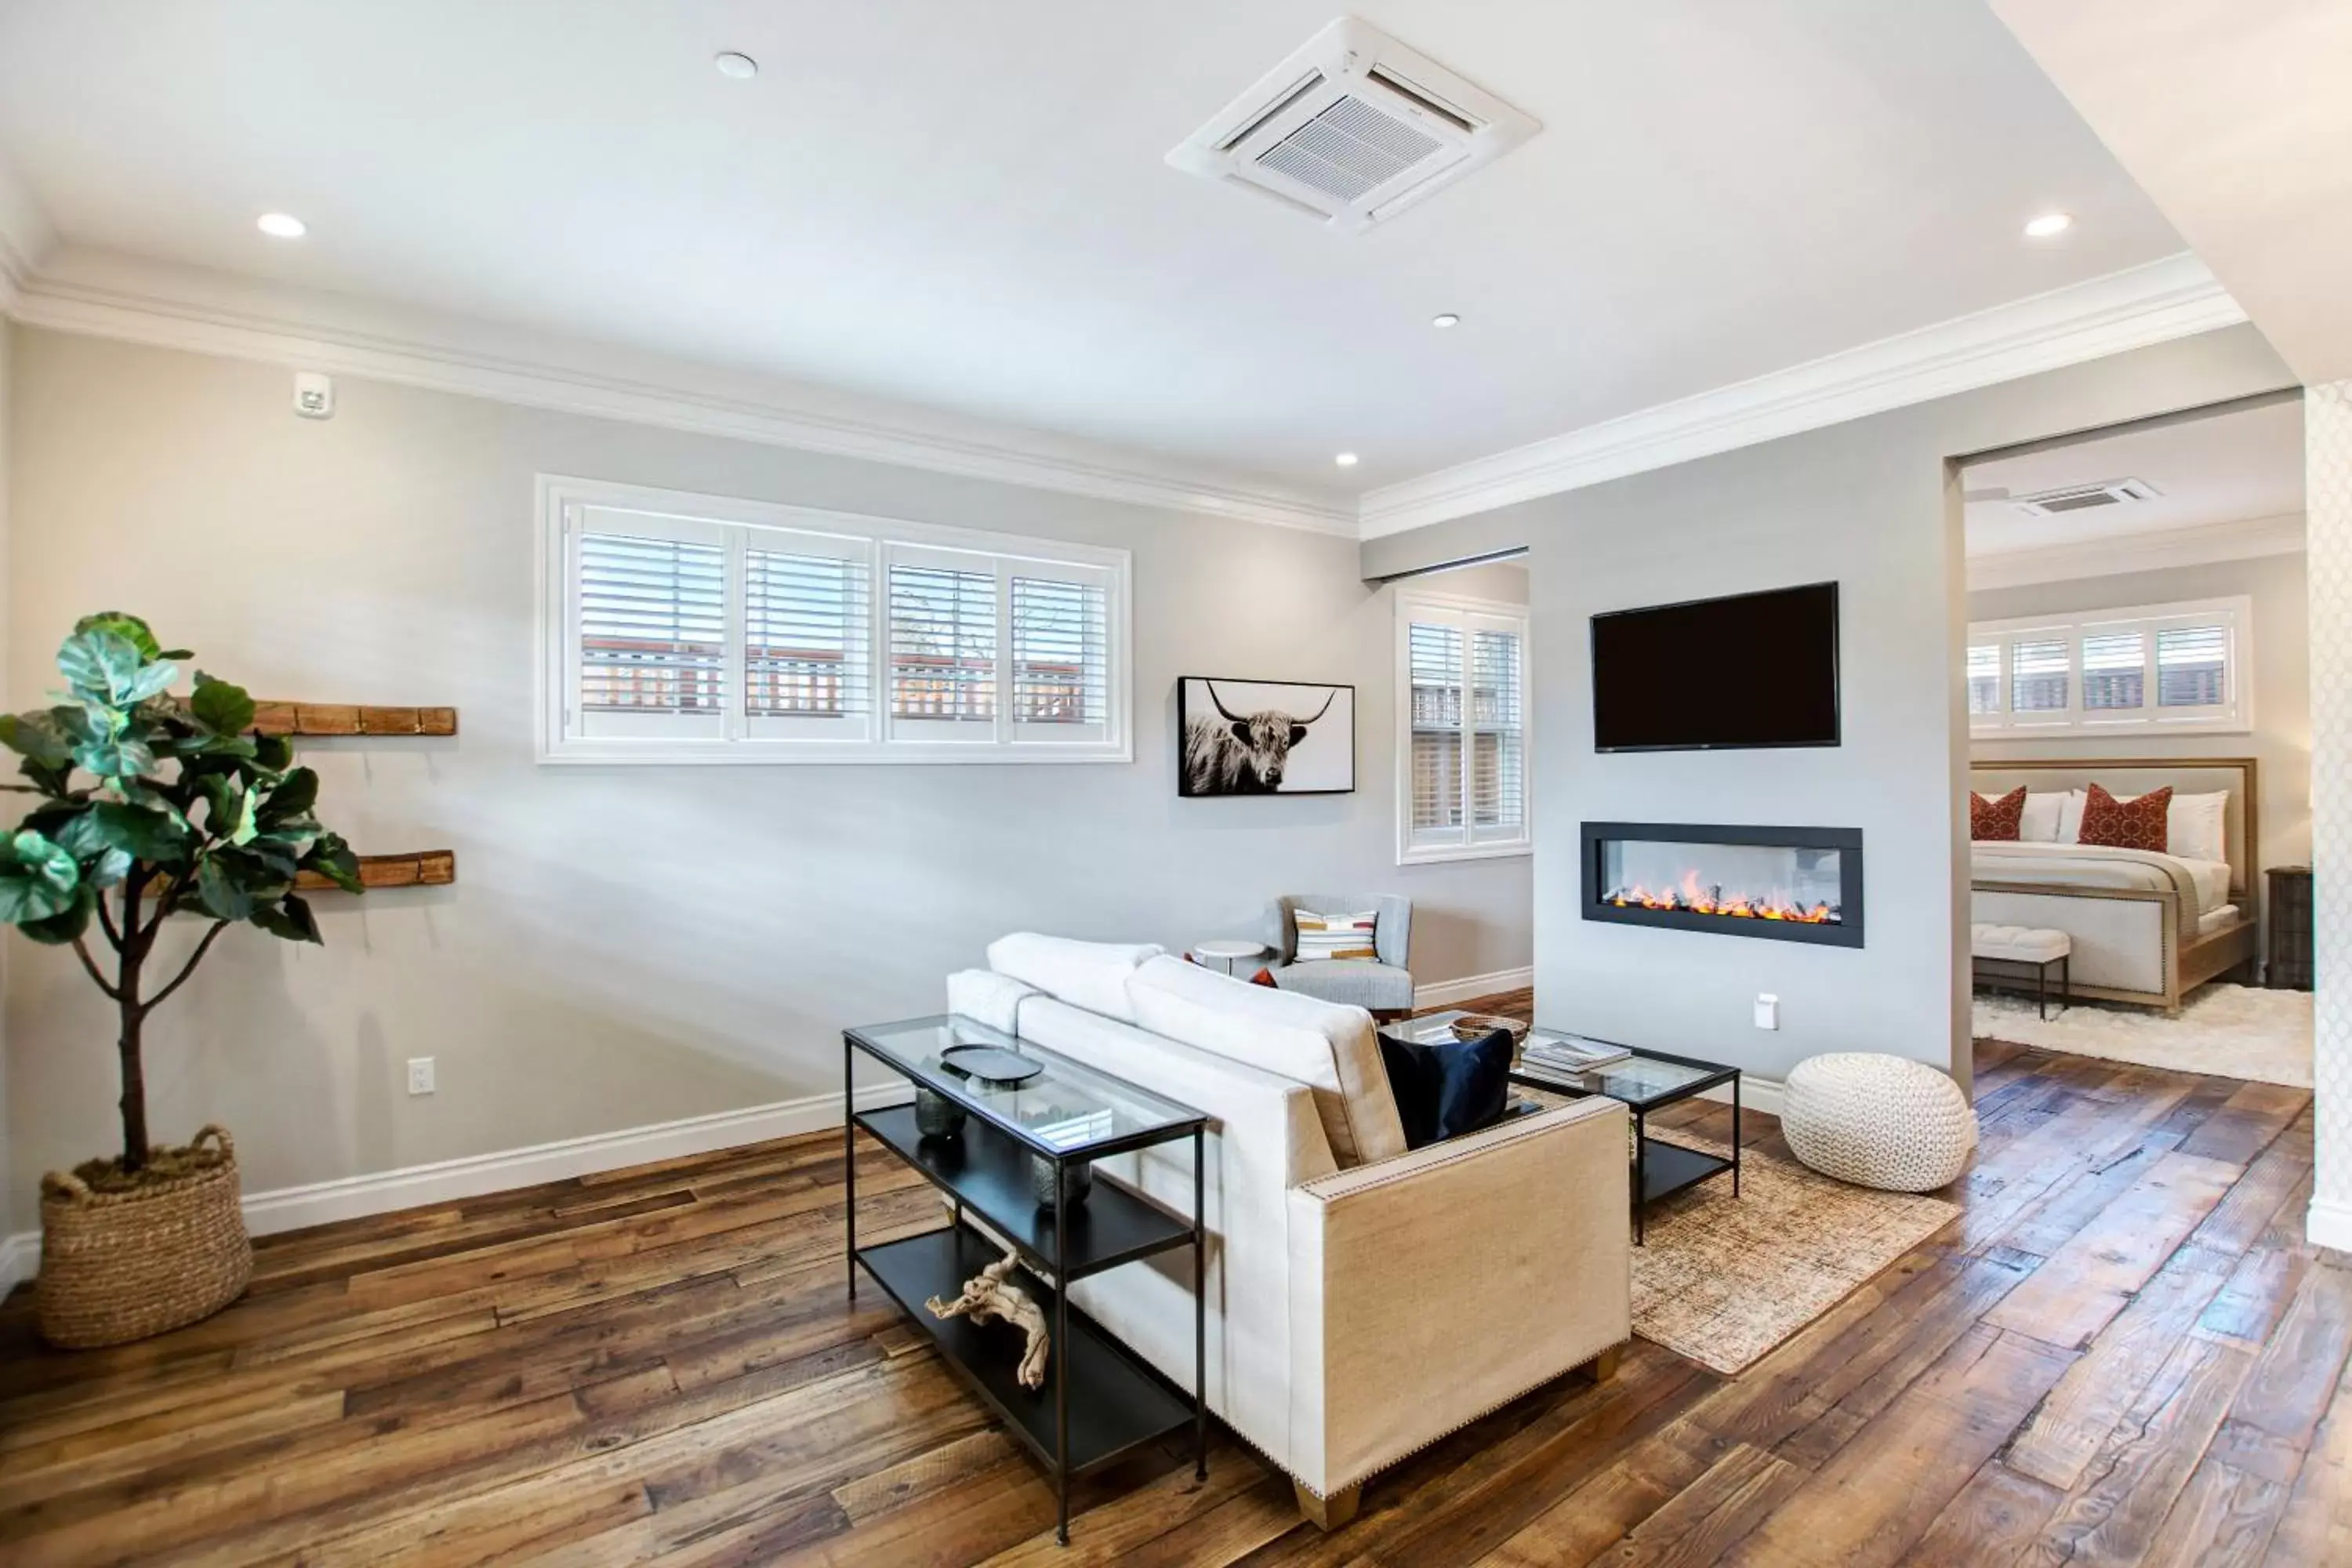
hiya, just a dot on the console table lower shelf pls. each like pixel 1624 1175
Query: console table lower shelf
pixel 1117 1402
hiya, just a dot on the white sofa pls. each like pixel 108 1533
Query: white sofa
pixel 1363 1300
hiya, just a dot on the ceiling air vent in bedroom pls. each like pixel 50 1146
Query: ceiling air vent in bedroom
pixel 1353 128
pixel 2084 498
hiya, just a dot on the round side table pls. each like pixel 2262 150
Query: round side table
pixel 1230 952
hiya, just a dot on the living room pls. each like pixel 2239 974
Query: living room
pixel 739 586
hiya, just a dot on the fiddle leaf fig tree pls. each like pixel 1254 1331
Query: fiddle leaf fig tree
pixel 152 806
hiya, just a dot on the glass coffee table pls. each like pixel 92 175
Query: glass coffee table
pixel 1017 1157
pixel 1642 1082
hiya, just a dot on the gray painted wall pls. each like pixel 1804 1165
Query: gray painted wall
pixel 1872 504
pixel 2281 740
pixel 625 946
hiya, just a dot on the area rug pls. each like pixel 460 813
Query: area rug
pixel 1723 1279
pixel 2227 1031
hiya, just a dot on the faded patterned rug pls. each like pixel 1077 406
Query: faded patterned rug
pixel 1723 1279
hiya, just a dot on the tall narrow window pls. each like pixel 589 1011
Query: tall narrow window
pixel 1060 640
pixel 1462 711
pixel 1984 678
pixel 2192 667
pixel 690 628
pixel 2038 678
pixel 806 642
pixel 943 645
pixel 650 631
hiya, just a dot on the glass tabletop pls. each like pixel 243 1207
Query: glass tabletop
pixel 1066 1109
pixel 1639 1079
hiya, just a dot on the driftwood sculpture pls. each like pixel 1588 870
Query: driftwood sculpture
pixel 987 1299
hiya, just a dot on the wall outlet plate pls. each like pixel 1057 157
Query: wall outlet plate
pixel 1767 1011
pixel 420 1075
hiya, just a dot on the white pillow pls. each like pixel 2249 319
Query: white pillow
pixel 2043 809
pixel 1348 938
pixel 2069 816
pixel 1089 974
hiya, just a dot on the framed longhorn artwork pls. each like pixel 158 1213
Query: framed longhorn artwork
pixel 1264 737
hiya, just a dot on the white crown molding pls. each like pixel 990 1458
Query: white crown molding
pixel 182 309
pixel 448 1181
pixel 2173 298
pixel 2200 545
pixel 27 237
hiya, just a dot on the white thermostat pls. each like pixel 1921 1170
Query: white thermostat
pixel 314 395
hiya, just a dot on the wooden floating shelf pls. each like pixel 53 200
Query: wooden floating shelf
pixel 351 718
pixel 424 868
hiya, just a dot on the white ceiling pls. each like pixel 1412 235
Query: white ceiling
pixel 2241 467
pixel 2235 115
pixel 966 205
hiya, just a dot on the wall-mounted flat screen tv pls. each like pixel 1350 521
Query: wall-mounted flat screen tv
pixel 1754 670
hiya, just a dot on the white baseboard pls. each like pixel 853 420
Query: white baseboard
pixel 2328 1222
pixel 20 1259
pixel 1764 1094
pixel 444 1181
pixel 1449 993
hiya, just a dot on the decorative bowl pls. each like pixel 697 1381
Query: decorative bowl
pixel 1478 1026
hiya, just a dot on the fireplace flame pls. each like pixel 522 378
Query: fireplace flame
pixel 1693 899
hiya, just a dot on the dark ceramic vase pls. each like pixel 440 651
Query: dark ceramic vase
pixel 1079 1176
pixel 937 1116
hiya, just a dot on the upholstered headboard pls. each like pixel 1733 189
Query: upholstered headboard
pixel 2137 775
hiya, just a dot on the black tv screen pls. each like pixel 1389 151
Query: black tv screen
pixel 1755 669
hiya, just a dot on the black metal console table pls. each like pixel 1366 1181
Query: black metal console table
pixel 1105 1400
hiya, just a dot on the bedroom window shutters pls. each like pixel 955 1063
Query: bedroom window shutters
pixel 683 629
pixel 2160 667
pixel 1463 789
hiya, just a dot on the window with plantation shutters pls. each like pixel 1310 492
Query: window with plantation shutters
pixel 1462 711
pixel 686 628
pixel 2157 667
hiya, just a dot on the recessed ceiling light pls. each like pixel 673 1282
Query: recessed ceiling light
pixel 281 225
pixel 741 67
pixel 1447 318
pixel 1346 459
pixel 2049 225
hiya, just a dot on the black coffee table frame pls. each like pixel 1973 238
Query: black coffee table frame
pixel 1106 1401
pixel 1660 1169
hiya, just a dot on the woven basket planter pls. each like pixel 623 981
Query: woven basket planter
pixel 117 1267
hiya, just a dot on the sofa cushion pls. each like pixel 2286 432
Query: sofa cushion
pixel 1330 1049
pixel 1446 1088
pixel 1089 974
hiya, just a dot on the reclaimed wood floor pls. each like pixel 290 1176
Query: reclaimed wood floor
pixel 2123 1351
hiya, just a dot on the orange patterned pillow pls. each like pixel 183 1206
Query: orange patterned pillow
pixel 2138 823
pixel 1997 819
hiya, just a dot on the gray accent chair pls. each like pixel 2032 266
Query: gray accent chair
pixel 1383 987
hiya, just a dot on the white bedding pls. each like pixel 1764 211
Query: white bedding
pixel 2202 884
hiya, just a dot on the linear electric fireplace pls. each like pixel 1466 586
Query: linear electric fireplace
pixel 1790 884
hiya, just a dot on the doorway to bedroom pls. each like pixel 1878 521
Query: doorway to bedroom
pixel 2139 698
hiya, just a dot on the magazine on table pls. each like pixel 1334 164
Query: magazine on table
pixel 1570 1053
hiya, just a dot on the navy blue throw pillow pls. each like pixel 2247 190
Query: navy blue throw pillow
pixel 1445 1089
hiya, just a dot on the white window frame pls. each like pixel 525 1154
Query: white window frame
pixel 2235 716
pixel 1446 609
pixel 562 503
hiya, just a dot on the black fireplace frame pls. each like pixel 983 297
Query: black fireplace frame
pixel 1847 841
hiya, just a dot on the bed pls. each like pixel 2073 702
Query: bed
pixel 2148 928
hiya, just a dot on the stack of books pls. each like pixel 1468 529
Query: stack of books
pixel 1568 1055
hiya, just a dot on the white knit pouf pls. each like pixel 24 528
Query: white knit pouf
pixel 1878 1121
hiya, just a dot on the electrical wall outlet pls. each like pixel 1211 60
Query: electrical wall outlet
pixel 420 1075
pixel 1768 1010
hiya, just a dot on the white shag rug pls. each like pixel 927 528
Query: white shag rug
pixel 2228 1031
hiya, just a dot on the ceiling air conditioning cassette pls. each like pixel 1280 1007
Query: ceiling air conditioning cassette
pixel 2084 498
pixel 1354 128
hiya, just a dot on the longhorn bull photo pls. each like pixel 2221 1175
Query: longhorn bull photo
pixel 1229 752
